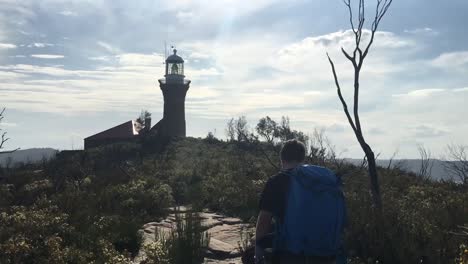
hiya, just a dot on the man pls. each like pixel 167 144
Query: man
pixel 307 207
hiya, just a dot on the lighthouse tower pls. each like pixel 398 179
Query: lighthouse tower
pixel 174 88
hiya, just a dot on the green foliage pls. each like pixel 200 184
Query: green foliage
pixel 463 255
pixel 156 253
pixel 87 207
pixel 26 233
pixel 187 242
pixel 246 242
pixel 418 219
pixel 139 197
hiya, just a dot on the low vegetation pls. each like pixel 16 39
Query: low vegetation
pixel 87 206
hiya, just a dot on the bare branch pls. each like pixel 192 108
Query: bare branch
pixel 350 10
pixel 425 169
pixel 9 151
pixel 356 100
pixel 347 55
pixel 379 14
pixel 357 61
pixel 3 138
pixel 338 88
pixel 361 22
pixel 457 163
pixel 391 159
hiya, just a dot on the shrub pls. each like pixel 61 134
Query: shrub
pixel 187 242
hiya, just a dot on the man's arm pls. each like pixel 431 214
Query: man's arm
pixel 263 228
pixel 263 224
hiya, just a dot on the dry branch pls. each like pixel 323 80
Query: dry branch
pixel 357 59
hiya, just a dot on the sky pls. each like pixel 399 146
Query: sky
pixel 70 69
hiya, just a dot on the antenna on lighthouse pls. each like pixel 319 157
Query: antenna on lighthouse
pixel 165 52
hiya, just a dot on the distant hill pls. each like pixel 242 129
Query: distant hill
pixel 32 155
pixel 412 165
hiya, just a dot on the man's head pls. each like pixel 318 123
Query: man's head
pixel 292 153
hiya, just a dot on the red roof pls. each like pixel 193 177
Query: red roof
pixel 128 129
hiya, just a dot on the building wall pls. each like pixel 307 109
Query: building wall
pixel 93 143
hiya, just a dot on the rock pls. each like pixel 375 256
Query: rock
pixel 150 224
pixel 231 220
pixel 221 249
pixel 211 215
pixel 180 209
pixel 225 261
pixel 210 223
pixel 225 235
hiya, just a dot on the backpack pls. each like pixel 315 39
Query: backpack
pixel 315 214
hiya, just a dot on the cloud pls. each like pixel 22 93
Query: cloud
pixel 451 60
pixel 199 55
pixel 40 45
pixel 100 58
pixel 218 8
pixel 138 59
pixel 47 56
pixel 237 67
pixel 461 89
pixel 185 17
pixel 420 93
pixel 336 128
pixel 68 13
pixel 7 46
pixel 128 81
pixel 10 76
pixel 6 124
pixel 346 39
pixel 427 31
pixel 428 131
pixel 309 55
pixel 109 48
pixel 376 131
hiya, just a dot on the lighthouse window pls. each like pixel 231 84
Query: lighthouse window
pixel 176 68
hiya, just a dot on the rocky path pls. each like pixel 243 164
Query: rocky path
pixel 225 236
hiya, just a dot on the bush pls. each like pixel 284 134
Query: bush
pixel 88 206
pixel 187 242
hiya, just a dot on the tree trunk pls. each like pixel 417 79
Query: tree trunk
pixel 374 181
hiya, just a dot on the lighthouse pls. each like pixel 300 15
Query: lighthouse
pixel 174 87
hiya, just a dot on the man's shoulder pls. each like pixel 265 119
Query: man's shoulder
pixel 279 178
pixel 281 175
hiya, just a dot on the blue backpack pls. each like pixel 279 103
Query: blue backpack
pixel 315 214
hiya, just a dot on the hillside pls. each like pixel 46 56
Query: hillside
pixel 90 205
pixel 438 171
pixel 32 155
pixel 35 155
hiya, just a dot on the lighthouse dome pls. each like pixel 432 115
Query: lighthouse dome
pixel 174 58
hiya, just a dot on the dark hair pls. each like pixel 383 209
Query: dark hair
pixel 293 150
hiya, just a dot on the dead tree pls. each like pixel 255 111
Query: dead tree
pixel 4 138
pixel 425 170
pixel 457 163
pixel 357 58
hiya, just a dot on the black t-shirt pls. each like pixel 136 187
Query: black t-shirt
pixel 273 197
